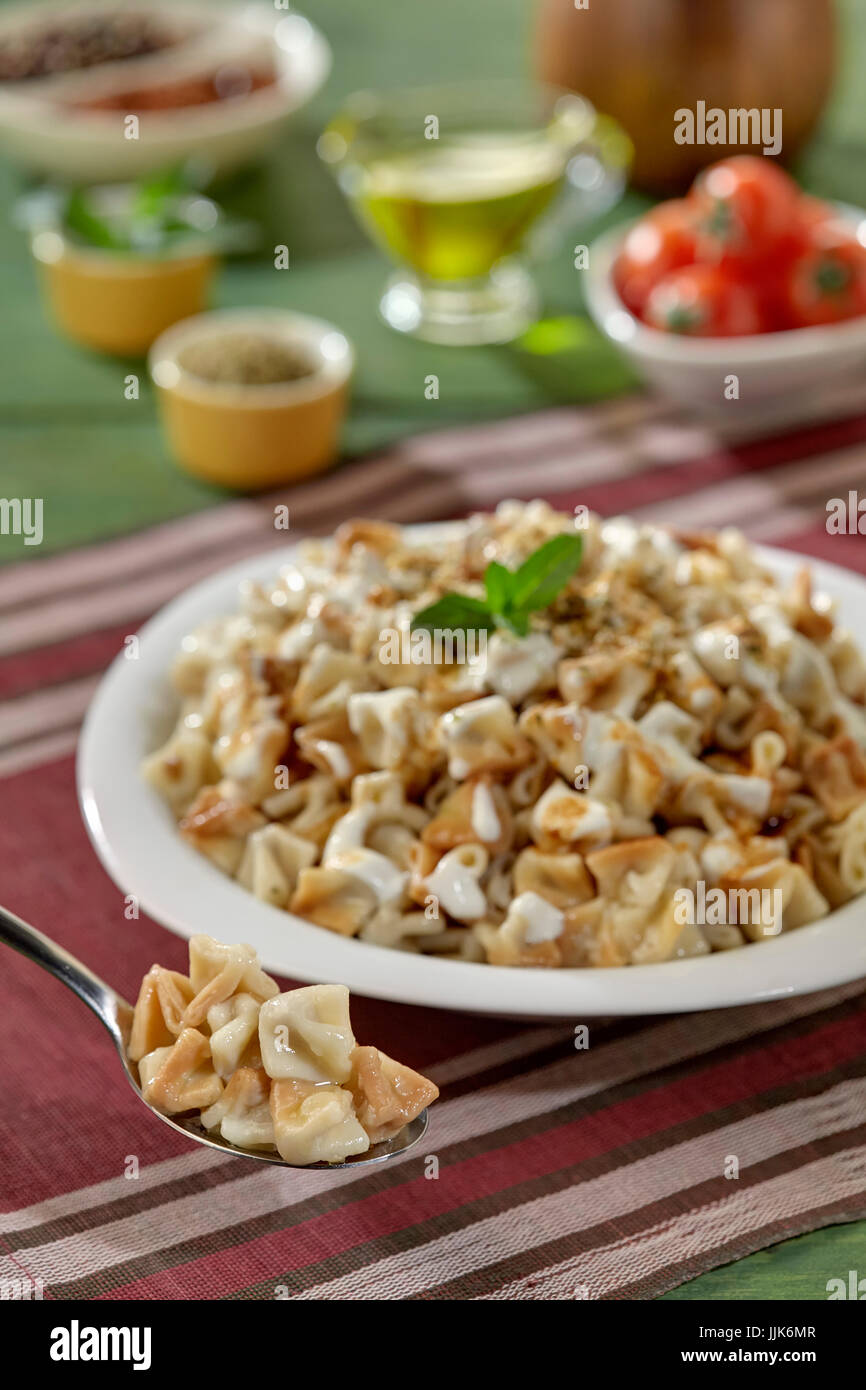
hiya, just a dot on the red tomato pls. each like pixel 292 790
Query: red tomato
pixel 828 281
pixel 768 275
pixel 660 242
pixel 813 211
pixel 746 208
pixel 701 300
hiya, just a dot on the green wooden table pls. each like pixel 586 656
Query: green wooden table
pixel 68 434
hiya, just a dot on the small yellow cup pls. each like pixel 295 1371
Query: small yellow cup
pixel 117 303
pixel 254 437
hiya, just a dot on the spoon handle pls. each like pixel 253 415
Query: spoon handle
pixel 97 995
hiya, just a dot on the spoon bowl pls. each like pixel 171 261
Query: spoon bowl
pixel 115 1014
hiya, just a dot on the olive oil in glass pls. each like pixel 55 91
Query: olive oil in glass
pixel 451 209
pixel 449 182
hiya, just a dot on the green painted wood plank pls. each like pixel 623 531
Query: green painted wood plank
pixel 795 1269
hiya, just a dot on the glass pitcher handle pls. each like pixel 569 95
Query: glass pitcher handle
pixel 595 179
pixel 598 172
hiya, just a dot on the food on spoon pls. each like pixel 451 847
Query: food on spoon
pixel 266 1070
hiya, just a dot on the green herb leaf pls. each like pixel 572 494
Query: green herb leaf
pixel 497 582
pixel 154 194
pixel 160 215
pixel 517 622
pixel 510 595
pixel 84 221
pixel 547 570
pixel 454 613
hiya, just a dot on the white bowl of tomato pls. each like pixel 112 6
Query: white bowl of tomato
pixel 745 292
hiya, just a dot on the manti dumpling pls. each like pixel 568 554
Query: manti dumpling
pixel 266 1070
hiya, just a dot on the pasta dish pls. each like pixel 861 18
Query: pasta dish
pixel 507 745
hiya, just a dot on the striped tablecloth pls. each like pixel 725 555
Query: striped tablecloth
pixel 560 1173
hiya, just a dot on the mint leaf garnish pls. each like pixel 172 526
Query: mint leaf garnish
pixel 511 595
pixel 497 582
pixel 85 222
pixel 546 571
pixel 160 215
pixel 455 613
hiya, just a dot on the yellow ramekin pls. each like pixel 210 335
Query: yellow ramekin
pixel 114 302
pixel 254 437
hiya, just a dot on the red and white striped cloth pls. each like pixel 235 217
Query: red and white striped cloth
pixel 560 1173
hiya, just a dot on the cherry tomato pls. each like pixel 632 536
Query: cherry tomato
pixel 768 275
pixel 662 241
pixel 746 209
pixel 702 301
pixel 827 282
pixel 813 211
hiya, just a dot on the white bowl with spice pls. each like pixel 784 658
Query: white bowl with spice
pixel 252 398
pixel 97 91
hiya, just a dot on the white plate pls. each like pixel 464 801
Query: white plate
pixel 135 837
pixel 89 146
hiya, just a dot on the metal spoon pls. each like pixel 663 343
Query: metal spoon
pixel 116 1014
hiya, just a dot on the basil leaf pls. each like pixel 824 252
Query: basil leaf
pixel 455 612
pixel 547 570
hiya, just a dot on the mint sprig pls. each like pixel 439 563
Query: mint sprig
pixel 160 215
pixel 511 595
